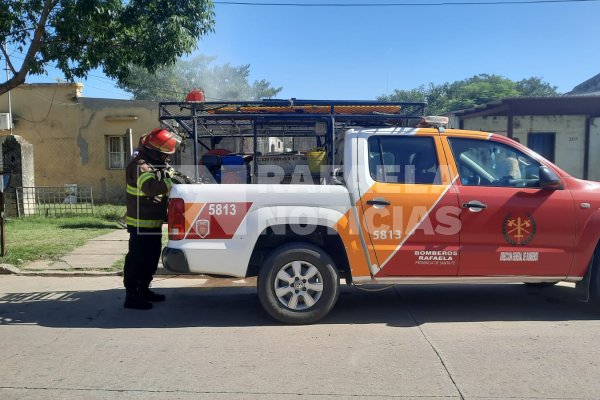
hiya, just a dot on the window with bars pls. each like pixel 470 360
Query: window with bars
pixel 116 152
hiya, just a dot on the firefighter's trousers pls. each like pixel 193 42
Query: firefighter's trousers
pixel 141 261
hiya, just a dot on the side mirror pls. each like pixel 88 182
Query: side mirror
pixel 548 179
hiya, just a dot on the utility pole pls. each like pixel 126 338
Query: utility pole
pixel 129 142
pixel 9 98
pixel 5 182
pixel 2 224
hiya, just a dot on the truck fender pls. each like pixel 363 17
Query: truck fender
pixel 298 216
pixel 304 219
pixel 585 245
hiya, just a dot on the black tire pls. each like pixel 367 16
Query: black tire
pixel 540 284
pixel 322 287
pixel 595 278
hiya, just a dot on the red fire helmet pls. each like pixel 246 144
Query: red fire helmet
pixel 196 95
pixel 161 140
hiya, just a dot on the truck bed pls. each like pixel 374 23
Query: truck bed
pixel 236 216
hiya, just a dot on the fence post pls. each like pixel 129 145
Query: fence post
pixel 92 198
pixel 2 228
pixel 18 202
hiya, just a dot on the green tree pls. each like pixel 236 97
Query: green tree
pixel 471 92
pixel 80 35
pixel 171 83
pixel 477 90
pixel 536 87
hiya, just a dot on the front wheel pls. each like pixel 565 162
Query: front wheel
pixel 298 284
pixel 595 278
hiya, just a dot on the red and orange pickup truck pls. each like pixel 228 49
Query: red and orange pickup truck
pixel 409 205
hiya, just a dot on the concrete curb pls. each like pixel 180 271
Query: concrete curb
pixel 68 273
pixel 11 269
pixel 6 269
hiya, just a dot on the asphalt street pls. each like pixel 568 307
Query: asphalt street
pixel 70 338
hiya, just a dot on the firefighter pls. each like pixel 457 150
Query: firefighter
pixel 149 180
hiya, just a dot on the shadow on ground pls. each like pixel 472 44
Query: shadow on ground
pixel 401 306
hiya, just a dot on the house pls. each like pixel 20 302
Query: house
pixel 565 130
pixel 88 141
pixel 78 140
pixel 591 87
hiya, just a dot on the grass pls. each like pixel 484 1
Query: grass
pixel 48 238
pixel 117 265
pixel 109 212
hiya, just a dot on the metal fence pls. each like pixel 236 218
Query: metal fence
pixel 50 201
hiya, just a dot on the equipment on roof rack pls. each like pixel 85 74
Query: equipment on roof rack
pixel 302 124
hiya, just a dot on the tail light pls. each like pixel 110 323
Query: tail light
pixel 176 219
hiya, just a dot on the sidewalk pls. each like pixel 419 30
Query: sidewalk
pixel 99 253
pixel 102 255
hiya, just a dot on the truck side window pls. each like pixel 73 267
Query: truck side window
pixel 489 163
pixel 403 159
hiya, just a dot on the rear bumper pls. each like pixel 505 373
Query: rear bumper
pixel 174 260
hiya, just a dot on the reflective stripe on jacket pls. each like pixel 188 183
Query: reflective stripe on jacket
pixel 146 193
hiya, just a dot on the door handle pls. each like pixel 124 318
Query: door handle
pixel 475 206
pixel 378 202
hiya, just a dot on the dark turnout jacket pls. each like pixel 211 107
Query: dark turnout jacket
pixel 147 194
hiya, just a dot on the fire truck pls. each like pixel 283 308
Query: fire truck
pixel 307 194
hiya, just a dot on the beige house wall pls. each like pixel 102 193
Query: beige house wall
pixel 69 134
pixel 569 130
pixel 487 124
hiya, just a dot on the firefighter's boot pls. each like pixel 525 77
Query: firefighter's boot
pixel 135 299
pixel 149 295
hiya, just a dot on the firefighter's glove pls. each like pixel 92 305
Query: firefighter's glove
pixel 170 172
pixel 182 179
pixel 163 174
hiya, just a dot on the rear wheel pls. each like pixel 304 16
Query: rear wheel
pixel 298 284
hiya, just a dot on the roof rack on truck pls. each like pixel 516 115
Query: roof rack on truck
pixel 209 124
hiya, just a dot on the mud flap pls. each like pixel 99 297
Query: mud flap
pixel 582 287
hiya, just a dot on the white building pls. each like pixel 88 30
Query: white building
pixel 565 130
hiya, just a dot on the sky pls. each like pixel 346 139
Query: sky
pixel 360 53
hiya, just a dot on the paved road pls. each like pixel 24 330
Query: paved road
pixel 69 338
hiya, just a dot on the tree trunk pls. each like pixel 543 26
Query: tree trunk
pixel 12 83
pixel 34 47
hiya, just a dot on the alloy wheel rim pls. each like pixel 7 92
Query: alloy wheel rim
pixel 298 285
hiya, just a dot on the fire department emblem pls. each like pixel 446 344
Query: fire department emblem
pixel 519 230
pixel 202 228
